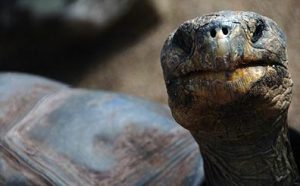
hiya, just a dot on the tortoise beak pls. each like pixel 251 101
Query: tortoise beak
pixel 219 46
pixel 219 38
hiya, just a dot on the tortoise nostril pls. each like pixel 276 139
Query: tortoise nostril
pixel 225 30
pixel 213 33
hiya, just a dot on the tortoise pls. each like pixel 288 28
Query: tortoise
pixel 228 85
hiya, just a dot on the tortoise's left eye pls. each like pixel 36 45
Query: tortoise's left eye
pixel 183 39
pixel 258 33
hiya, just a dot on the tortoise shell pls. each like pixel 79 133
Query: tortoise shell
pixel 55 135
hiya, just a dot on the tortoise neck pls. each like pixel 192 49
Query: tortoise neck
pixel 267 161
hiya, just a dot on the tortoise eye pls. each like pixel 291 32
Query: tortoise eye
pixel 183 39
pixel 258 32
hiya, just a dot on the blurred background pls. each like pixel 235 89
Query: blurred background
pixel 115 44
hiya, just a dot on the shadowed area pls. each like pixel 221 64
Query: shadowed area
pixel 64 50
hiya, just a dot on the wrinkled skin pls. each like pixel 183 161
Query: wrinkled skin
pixel 228 83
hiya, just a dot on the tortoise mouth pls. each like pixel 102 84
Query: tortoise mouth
pixel 226 75
pixel 247 70
pixel 209 82
pixel 221 86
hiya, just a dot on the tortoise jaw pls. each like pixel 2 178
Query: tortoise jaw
pixel 226 76
pixel 227 73
pixel 200 94
pixel 242 70
pixel 222 86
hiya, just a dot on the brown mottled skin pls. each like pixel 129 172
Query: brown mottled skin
pixel 228 84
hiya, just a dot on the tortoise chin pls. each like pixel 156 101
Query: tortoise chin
pixel 201 96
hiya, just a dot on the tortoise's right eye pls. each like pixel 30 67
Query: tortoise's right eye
pixel 183 39
pixel 258 33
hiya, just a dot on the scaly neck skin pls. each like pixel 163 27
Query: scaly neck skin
pixel 267 160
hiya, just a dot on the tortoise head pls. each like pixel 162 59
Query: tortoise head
pixel 223 65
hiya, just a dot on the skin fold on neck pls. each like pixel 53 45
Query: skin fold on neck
pixel 249 160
